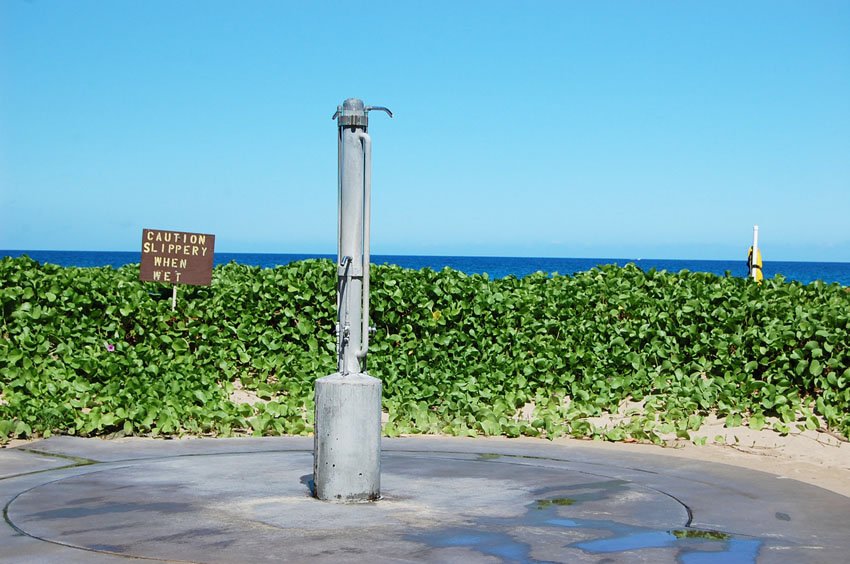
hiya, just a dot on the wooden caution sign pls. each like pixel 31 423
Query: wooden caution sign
pixel 175 257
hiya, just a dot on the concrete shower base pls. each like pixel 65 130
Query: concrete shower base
pixel 444 500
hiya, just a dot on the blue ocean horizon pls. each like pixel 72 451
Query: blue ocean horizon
pixel 494 267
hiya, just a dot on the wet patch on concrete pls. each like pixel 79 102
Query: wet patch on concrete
pixel 190 535
pixel 99 529
pixel 600 490
pixel 606 536
pixel 80 512
pixel 108 548
pixel 307 480
pixel 496 544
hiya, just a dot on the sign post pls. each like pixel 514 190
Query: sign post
pixel 176 257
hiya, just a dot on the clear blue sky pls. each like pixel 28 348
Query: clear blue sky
pixel 578 129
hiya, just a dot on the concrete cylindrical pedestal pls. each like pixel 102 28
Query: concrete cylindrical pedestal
pixel 347 453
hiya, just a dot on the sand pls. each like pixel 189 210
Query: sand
pixel 811 457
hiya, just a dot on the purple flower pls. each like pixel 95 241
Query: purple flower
pixel 110 347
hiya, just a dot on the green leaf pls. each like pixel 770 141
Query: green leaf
pixel 733 420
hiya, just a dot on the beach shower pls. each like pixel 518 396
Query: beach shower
pixel 347 447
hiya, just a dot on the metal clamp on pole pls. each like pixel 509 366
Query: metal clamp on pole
pixel 349 114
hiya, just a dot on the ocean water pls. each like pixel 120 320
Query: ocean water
pixel 495 267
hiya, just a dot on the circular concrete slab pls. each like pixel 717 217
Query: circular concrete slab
pixel 443 501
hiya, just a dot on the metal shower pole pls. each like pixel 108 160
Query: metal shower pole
pixel 347 448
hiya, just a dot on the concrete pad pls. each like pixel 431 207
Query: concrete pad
pixel 444 500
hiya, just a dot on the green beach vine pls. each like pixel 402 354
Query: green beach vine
pixel 95 352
